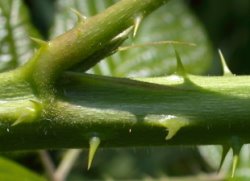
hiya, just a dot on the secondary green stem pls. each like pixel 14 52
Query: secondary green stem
pixel 86 39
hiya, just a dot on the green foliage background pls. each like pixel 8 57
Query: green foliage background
pixel 228 26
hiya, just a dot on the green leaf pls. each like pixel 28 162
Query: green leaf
pixel 172 22
pixel 15 29
pixel 10 171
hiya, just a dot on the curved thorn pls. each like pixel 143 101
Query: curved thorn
pixel 226 70
pixel 38 41
pixel 137 23
pixel 80 18
pixel 180 70
pixel 94 142
pixel 225 150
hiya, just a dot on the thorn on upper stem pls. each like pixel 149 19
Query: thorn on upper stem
pixel 80 18
pixel 180 70
pixel 226 70
pixel 38 41
pixel 137 22
pixel 123 35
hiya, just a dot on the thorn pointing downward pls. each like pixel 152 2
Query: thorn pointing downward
pixel 80 18
pixel 225 150
pixel 236 146
pixel 94 142
pixel 137 23
pixel 235 163
pixel 226 70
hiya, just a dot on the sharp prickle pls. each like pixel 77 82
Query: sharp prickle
pixel 94 143
pixel 80 18
pixel 226 70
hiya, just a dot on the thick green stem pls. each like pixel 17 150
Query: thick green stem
pixel 124 112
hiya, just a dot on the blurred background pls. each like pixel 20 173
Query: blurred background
pixel 226 25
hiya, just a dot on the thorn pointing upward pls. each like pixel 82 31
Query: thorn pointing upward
pixel 38 41
pixel 180 70
pixel 226 70
pixel 80 18
pixel 94 142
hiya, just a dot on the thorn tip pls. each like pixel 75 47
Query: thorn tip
pixel 226 70
pixel 94 143
pixel 80 18
pixel 180 70
pixel 30 113
pixel 236 146
pixel 235 164
pixel 38 41
pixel 124 34
pixel 137 23
pixel 225 150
